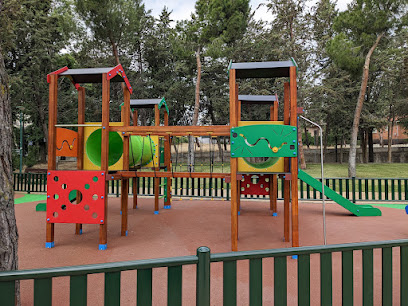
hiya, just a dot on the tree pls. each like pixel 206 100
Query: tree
pixel 8 226
pixel 112 22
pixel 361 29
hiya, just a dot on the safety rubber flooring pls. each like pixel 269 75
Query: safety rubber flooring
pixel 190 224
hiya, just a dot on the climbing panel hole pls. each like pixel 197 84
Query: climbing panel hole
pixel 63 207
pixel 86 207
pixel 94 215
pixel 266 179
pixel 75 196
pixel 242 189
pixel 292 147
pixel 95 197
pixel 248 185
pixel 262 186
pixel 234 135
pixel 266 189
pixel 56 196
pixel 254 179
pixel 87 186
pixel 56 178
pixel 55 214
pixel 64 186
pixel 95 179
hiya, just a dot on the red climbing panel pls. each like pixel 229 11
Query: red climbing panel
pixel 255 184
pixel 63 187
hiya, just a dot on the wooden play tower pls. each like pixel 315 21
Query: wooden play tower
pixel 81 196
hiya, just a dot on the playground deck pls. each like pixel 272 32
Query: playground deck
pixel 190 224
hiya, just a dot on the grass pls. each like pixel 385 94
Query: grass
pixel 363 170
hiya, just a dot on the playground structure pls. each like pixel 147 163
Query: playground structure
pixel 108 151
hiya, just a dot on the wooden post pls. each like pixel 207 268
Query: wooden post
pixel 134 180
pixel 80 144
pixel 52 147
pixel 234 164
pixel 294 161
pixel 103 239
pixel 125 182
pixel 156 179
pixel 167 161
pixel 286 183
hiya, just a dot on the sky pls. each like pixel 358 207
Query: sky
pixel 182 9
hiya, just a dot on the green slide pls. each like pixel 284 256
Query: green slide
pixel 358 210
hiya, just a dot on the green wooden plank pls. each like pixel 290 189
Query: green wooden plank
pixel 43 291
pixel 326 279
pixel 255 282
pixel 304 280
pixel 144 287
pixel 230 283
pixel 7 293
pixel 78 290
pixel 404 276
pixel 112 288
pixel 387 276
pixel 368 278
pixel 280 281
pixel 174 285
pixel 347 278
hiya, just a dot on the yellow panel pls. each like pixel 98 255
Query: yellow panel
pixel 243 167
pixel 155 161
pixel 88 130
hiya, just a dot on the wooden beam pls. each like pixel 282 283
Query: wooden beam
pixel 215 130
pixel 52 139
pixel 294 161
pixel 134 180
pixel 103 228
pixel 130 174
pixel 286 183
pixel 125 181
pixel 167 161
pixel 234 162
pixel 80 144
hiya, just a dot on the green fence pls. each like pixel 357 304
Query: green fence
pixel 354 189
pixel 43 278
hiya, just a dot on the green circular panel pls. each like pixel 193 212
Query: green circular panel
pixel 270 161
pixel 93 147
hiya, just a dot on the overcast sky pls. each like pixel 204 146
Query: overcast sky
pixel 182 9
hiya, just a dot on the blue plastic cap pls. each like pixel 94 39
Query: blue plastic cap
pixel 80 231
pixel 103 247
pixel 294 257
pixel 167 206
pixel 406 209
pixel 239 213
pixel 49 245
pixel 127 233
pixel 274 214
pixel 156 212
pixel 120 212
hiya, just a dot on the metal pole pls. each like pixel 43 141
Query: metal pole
pixel 21 142
pixel 321 166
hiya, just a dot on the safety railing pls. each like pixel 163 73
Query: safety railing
pixel 354 274
pixel 354 189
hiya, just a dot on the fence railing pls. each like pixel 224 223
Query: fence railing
pixel 354 189
pixel 258 263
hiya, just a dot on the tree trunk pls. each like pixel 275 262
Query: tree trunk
pixel 341 149
pixel 359 107
pixel 8 226
pixel 370 145
pixel 390 130
pixel 363 146
pixel 307 137
pixel 195 115
pixel 115 51
pixel 335 149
